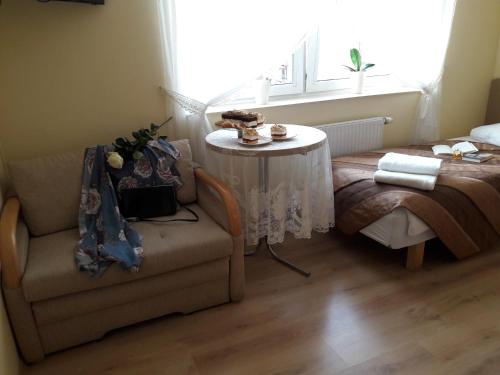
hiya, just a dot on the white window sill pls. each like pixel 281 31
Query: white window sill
pixel 311 98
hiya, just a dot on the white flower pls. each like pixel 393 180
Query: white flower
pixel 115 160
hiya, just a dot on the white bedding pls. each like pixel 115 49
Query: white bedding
pixel 400 228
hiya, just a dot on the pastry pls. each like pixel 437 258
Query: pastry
pixel 247 119
pixel 278 131
pixel 260 117
pixel 229 124
pixel 233 115
pixel 250 135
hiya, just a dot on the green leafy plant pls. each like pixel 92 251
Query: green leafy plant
pixel 357 62
pixel 129 149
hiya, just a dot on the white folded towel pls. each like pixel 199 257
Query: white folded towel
pixel 395 162
pixel 417 181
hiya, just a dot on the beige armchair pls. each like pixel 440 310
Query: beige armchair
pixel 53 306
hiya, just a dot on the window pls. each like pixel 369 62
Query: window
pixel 288 78
pixel 210 57
pixel 383 30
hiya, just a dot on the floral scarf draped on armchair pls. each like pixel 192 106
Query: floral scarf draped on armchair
pixel 105 236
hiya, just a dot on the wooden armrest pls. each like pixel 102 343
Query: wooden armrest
pixel 8 247
pixel 227 197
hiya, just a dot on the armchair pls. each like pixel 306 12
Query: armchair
pixel 53 306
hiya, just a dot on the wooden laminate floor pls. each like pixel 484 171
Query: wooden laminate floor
pixel 361 312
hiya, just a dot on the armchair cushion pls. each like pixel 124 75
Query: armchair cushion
pixel 49 188
pixel 51 270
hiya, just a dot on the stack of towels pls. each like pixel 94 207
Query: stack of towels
pixel 407 170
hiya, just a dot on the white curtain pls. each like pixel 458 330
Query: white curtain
pixel 419 59
pixel 213 48
pixel 405 38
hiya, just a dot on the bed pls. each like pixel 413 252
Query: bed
pixel 400 217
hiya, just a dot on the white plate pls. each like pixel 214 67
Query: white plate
pixel 289 135
pixel 261 141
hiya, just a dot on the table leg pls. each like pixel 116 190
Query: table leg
pixel 284 261
pixel 264 188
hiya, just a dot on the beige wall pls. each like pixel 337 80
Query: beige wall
pixel 76 74
pixel 497 70
pixel 470 65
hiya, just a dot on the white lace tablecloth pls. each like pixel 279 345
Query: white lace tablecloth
pixel 296 196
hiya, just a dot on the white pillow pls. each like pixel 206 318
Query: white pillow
pixel 487 134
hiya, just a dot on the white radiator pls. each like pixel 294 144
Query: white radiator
pixel 352 137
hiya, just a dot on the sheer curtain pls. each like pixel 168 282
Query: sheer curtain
pixel 424 54
pixel 406 38
pixel 213 48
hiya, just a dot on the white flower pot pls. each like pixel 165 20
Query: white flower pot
pixel 357 80
pixel 261 91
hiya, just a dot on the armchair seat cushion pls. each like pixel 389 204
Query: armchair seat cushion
pixel 51 271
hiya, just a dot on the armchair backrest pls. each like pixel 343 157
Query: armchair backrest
pixel 49 188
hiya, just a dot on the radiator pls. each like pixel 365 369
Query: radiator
pixel 352 137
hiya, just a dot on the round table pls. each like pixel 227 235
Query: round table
pixel 307 141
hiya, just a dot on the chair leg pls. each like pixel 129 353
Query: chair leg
pixel 415 256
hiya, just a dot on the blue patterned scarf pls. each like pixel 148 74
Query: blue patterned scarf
pixel 105 236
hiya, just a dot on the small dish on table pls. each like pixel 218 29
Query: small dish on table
pixel 258 142
pixel 251 137
pixel 281 133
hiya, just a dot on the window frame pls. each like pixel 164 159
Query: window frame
pixel 313 85
pixel 297 84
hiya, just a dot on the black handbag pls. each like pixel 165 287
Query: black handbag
pixel 146 203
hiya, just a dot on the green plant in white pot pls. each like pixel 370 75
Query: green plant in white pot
pixel 357 70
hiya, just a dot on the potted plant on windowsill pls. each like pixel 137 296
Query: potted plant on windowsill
pixel 357 71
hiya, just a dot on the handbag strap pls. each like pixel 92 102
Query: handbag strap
pixel 196 217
